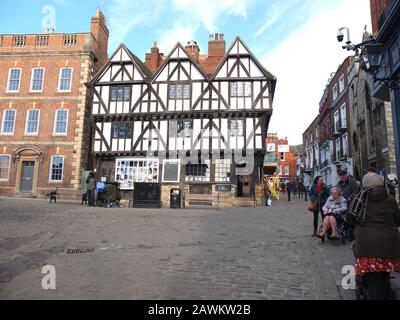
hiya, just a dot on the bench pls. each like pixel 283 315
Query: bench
pixel 202 199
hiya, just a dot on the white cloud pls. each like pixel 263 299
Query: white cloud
pixel 168 38
pixel 304 62
pixel 210 13
pixel 127 14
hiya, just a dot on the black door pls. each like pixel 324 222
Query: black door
pixel 27 176
pixel 239 180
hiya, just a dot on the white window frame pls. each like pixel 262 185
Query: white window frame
pixel 335 92
pixel 341 84
pixel 2 122
pixel 178 161
pixel 336 121
pixel 59 79
pixel 51 169
pixel 33 72
pixel 55 124
pixel 343 112
pixel 9 167
pixel 337 149
pixel 19 80
pixel 345 137
pixel 26 123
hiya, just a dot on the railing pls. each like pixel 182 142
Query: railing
pixel 70 40
pixel 42 41
pixel 19 41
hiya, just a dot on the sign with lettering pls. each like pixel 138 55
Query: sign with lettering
pixel 223 188
pixel 283 148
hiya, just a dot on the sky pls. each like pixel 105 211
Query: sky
pixel 294 39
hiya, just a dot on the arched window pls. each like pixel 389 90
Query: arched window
pixel 4 167
pixel 56 168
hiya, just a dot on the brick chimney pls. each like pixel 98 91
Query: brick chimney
pixel 154 59
pixel 216 46
pixel 377 8
pixel 193 50
pixel 99 30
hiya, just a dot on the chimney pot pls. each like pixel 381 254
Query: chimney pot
pixel 211 37
pixel 155 44
pixel 216 37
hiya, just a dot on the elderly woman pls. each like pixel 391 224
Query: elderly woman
pixel 335 205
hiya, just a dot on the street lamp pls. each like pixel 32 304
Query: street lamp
pixel 371 55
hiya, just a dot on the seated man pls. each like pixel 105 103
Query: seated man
pixel 335 206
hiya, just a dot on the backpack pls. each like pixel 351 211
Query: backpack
pixel 357 210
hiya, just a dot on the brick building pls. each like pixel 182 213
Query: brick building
pixel 44 108
pixel 327 141
pixel 286 158
pixel 377 9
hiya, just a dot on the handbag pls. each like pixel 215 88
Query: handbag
pixel 313 207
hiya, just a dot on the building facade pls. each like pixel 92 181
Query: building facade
pixel 327 141
pixel 371 127
pixel 44 108
pixel 311 152
pixel 387 32
pixel 177 122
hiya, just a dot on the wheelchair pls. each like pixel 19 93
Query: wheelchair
pixel 340 230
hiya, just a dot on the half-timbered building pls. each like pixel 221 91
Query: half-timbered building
pixel 181 126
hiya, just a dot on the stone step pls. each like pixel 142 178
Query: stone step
pixel 23 195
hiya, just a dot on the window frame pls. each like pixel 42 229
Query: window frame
pixel 345 146
pixel 19 80
pixel 123 93
pixel 336 120
pixel 335 92
pixel 9 167
pixel 176 161
pixel 243 95
pixel 55 123
pixel 3 120
pixel 220 166
pixel 51 169
pixel 341 84
pixel 176 90
pixel 129 136
pixel 233 131
pixel 343 107
pixel 59 79
pixel 26 123
pixel 42 85
pixel 337 150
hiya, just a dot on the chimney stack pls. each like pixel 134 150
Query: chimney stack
pixel 99 30
pixel 154 59
pixel 216 46
pixel 193 50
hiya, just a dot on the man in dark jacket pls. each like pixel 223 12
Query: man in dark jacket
pixel 91 187
pixel 350 188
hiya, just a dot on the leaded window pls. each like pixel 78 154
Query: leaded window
pixel 223 170
pixel 198 172
pixel 240 89
pixel 179 91
pixel 122 130
pixel 120 93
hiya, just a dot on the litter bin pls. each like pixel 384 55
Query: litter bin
pixel 175 198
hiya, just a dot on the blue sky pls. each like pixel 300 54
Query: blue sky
pixel 294 39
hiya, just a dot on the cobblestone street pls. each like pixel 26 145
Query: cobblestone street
pixel 231 253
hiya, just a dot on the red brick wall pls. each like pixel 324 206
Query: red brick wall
pixel 377 8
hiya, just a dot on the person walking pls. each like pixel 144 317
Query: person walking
pixel 377 239
pixel 350 188
pixel 319 194
pixel 91 187
pixel 267 194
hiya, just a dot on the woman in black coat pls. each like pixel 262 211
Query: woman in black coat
pixel 377 239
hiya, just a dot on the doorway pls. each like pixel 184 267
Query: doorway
pixel 243 186
pixel 28 169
